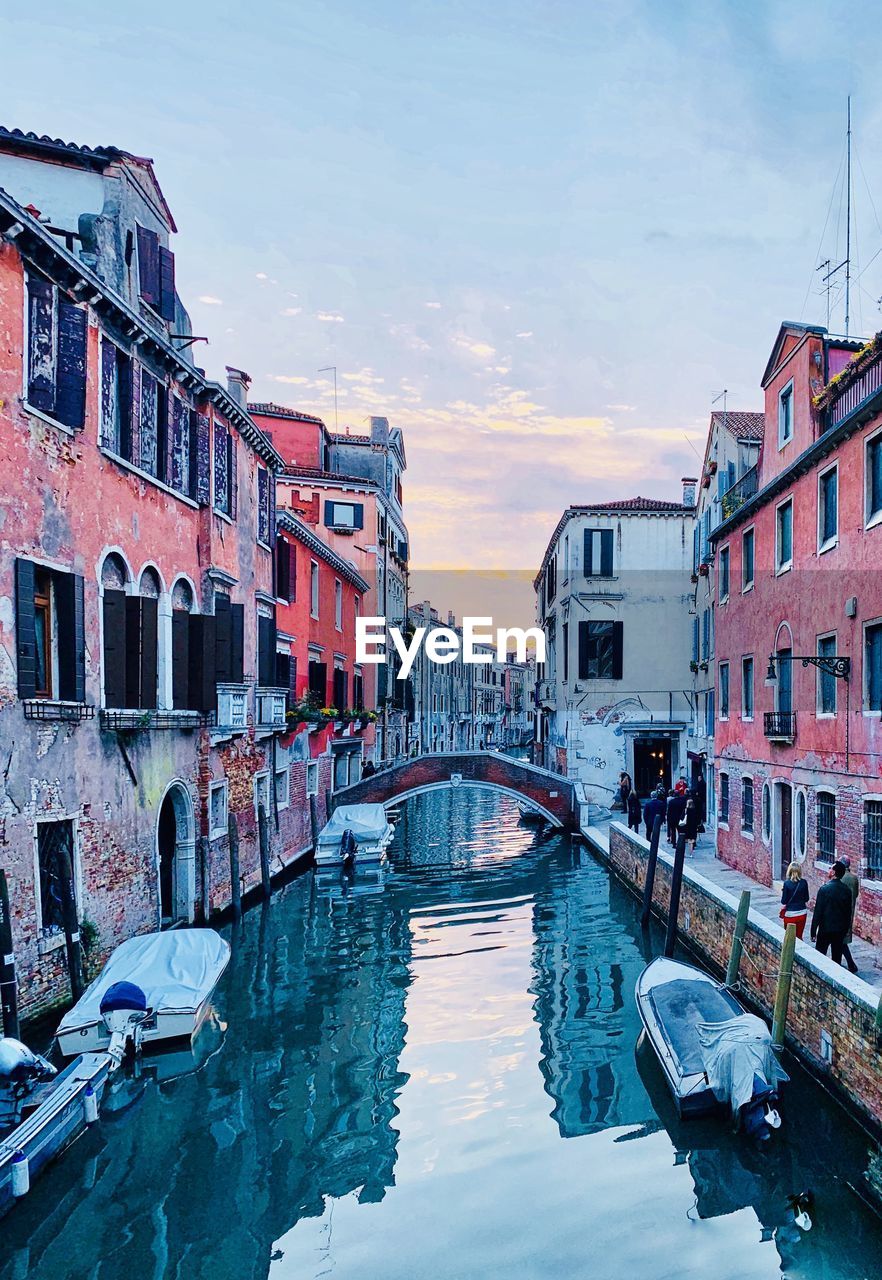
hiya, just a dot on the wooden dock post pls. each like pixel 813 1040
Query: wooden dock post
pixel 676 886
pixel 782 990
pixel 738 938
pixel 67 893
pixel 235 882
pixel 8 981
pixel 651 864
pixel 263 840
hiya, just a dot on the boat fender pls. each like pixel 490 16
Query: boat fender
pixel 21 1174
pixel 773 1118
pixel 90 1105
pixel 803 1221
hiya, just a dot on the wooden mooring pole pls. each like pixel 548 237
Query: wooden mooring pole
pixel 263 840
pixel 782 991
pixel 676 886
pixel 235 882
pixel 651 864
pixel 8 981
pixel 738 938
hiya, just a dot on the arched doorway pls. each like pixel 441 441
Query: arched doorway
pixel 176 857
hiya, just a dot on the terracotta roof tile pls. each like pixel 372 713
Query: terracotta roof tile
pixel 741 425
pixel 273 410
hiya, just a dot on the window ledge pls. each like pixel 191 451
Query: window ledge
pixel 748 835
pixel 49 420
pixel 145 475
pixel 874 520
pixel 829 545
pixel 51 942
pixel 222 515
pixel 783 568
pixel 52 709
pixel 871 886
pixel 747 588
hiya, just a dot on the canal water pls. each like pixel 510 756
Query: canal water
pixel 439 1076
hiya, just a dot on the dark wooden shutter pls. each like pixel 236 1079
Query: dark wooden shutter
pixel 202 680
pixel 148 266
pixel 292 680
pixel 618 637
pixel 237 643
pixel 107 430
pixel 41 344
pixel 271 480
pixel 283 568
pixel 69 594
pixel 181 660
pixel 223 639
pixel 233 474
pixel 266 652
pixel 170 401
pixel 193 452
pixel 329 513
pixel 606 553
pixel 263 529
pixel 114 648
pixel 357 692
pixel 25 629
pixel 147 422
pixel 283 670
pixel 341 689
pixel 166 283
pixel 584 646
pixel 135 413
pixel 180 445
pixel 318 680
pixel 358 515
pixel 149 651
pixel 132 696
pixel 124 403
pixel 203 459
pixel 70 386
pixel 221 466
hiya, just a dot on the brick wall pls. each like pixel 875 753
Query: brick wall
pixel 824 996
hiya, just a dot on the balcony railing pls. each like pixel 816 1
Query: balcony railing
pixel 780 726
pixel 140 720
pixel 271 707
pixel 742 491
pixel 864 386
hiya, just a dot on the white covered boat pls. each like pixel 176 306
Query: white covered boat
pixel 155 987
pixel 368 825
pixel 42 1111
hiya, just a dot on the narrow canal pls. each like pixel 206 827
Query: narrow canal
pixel 438 1078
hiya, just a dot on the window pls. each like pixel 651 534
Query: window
pixel 565 645
pixel 313 589
pixel 225 470
pixel 341 689
pixel 598 559
pixel 784 686
pixel 747 688
pixel 709 713
pixel 873 667
pixel 358 690
pixel 696 633
pixel 826 691
pixel 312 778
pixel 49 620
pixel 748 544
pixel 800 824
pixel 318 681
pixel 600 650
pixel 56 353
pixel 724 798
pixel 724 574
pixel 217 809
pixel 338 604
pixel 784 536
pixel 705 635
pixel 265 507
pixel 550 581
pixel 117 408
pixel 261 792
pixel 282 785
pixel 267 649
pixel 747 805
pixel 55 855
pixel 344 515
pixel 286 570
pixel 828 508
pixel 156 273
pixel 873 839
pixel 826 803
pixel 767 811
pixel 724 691
pixel 785 415
pixel 873 470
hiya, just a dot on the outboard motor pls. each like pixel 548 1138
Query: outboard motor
pixel 21 1071
pixel 124 1009
pixel 760 1116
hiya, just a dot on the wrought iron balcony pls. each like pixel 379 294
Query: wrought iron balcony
pixel 742 491
pixel 864 387
pixel 136 720
pixel 780 726
pixel 51 709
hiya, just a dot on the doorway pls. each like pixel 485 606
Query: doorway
pixel 783 843
pixel 176 857
pixel 652 765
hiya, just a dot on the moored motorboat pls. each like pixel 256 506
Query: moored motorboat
pixel 712 1052
pixel 367 825
pixel 42 1111
pixel 155 987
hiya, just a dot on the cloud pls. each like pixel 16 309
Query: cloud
pixel 290 311
pixel 433 306
pixel 405 334
pixel 294 382
pixel 620 408
pixel 330 317
pixel 527 333
pixel 365 377
pixel 482 350
pixel 210 301
pixel 261 275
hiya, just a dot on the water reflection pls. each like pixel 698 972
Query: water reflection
pixel 396 1064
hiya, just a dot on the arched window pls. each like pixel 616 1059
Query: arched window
pixel 182 596
pixel 150 586
pixel 114 573
pixel 130 636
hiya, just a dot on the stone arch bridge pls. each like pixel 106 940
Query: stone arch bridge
pixel 548 794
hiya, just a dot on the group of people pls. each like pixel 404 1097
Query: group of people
pixel 833 916
pixel 682 809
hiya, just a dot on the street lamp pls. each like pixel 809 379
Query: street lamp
pixel 831 666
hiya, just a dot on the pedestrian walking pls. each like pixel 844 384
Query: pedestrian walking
pixel 794 899
pixel 700 793
pixel 690 822
pixel 624 790
pixel 682 786
pixel 675 809
pixel 853 885
pixel 655 806
pixel 831 918
pixel 635 813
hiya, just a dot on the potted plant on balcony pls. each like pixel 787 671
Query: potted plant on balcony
pixel 693 667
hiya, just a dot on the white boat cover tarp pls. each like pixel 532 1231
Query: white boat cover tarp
pixel 367 822
pixel 176 970
pixel 733 1052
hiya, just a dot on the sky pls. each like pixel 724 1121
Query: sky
pixel 540 237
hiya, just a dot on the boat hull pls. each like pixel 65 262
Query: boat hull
pixel 57 1121
pixel 163 1026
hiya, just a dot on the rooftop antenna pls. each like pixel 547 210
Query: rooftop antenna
pixel 826 282
pixel 328 368
pixel 724 396
pixel 848 220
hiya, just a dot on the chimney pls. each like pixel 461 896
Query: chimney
pixel 451 619
pixel 379 431
pixel 689 483
pixel 237 386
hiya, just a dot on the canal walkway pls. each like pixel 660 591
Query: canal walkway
pixel 763 899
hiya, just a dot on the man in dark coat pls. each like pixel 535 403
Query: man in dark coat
pixel 831 919
pixel 654 806
pixel 853 885
pixel 676 809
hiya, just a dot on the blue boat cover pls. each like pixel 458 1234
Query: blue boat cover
pixel 681 1006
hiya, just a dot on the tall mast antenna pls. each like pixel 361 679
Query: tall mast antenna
pixel 329 367
pixel 826 280
pixel 848 220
